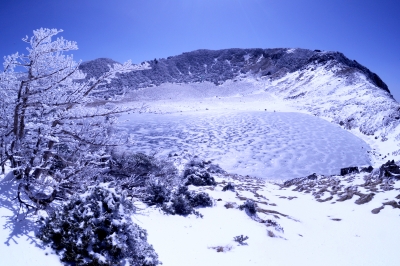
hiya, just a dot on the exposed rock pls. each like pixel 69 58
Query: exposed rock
pixel 365 198
pixel 392 203
pixel 377 210
pixel 313 176
pixel 347 196
pixel 231 205
pixel 324 200
pixel 349 170
pixel 389 169
pixel 368 169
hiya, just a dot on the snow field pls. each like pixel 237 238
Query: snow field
pixel 225 127
pixel 263 144
pixel 310 237
pixel 18 244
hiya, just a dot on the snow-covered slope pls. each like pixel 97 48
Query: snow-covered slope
pixel 323 84
pixel 316 220
pixel 218 66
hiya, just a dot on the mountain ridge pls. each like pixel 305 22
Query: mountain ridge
pixel 217 66
pixel 323 84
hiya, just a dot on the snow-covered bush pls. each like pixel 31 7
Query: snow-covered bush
pixel 196 173
pixel 127 164
pixel 143 177
pixel 230 186
pixel 180 205
pixel 156 192
pixel 184 201
pixel 200 199
pixel 241 239
pixel 200 179
pixel 95 228
pixel 250 207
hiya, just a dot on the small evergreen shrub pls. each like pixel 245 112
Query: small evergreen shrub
pixel 241 239
pixel 96 229
pixel 200 179
pixel 250 207
pixel 274 224
pixel 229 186
pixel 181 205
pixel 142 166
pixel 156 193
pixel 201 199
pixel 184 201
pixel 197 174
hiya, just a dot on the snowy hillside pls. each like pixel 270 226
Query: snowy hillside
pixel 221 65
pixel 239 157
pixel 323 84
pixel 318 219
pixel 328 81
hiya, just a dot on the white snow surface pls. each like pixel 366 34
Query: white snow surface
pixel 330 232
pixel 270 145
pixel 18 244
pixel 314 233
pixel 349 100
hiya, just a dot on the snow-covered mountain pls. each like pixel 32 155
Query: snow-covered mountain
pixel 221 65
pixel 319 218
pixel 321 83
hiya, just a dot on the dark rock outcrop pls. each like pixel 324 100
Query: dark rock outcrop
pixel 349 170
pixel 389 169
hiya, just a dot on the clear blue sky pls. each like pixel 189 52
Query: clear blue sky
pixel 364 30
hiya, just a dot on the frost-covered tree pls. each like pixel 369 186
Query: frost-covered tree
pixel 53 131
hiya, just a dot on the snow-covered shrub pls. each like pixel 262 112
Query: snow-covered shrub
pixel 250 207
pixel 200 179
pixel 184 201
pixel 143 177
pixel 230 186
pixel 196 173
pixel 200 199
pixel 95 228
pixel 181 205
pixel 241 239
pixel 274 224
pixel 142 166
pixel 156 192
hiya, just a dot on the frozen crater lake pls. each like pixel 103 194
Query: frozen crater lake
pixel 264 144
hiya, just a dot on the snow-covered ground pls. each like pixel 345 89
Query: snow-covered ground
pixel 304 224
pixel 317 231
pixel 269 145
pixel 314 233
pixel 18 244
